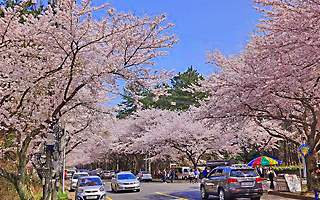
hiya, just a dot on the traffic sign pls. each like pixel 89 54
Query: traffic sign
pixel 304 150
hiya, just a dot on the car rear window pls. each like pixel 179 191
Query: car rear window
pixel 90 182
pixel 77 176
pixel 126 176
pixel 243 173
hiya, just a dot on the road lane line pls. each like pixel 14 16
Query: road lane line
pixel 108 198
pixel 168 195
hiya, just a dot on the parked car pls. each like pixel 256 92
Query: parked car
pixel 232 182
pixel 106 174
pixel 144 176
pixel 75 178
pixel 69 174
pixel 124 181
pixel 94 173
pixel 90 187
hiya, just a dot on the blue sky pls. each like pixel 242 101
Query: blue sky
pixel 201 26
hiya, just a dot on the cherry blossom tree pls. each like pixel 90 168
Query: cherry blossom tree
pixel 164 134
pixel 62 64
pixel 275 81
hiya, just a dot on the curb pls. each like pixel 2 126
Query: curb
pixel 290 195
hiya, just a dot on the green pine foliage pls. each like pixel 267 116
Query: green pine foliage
pixel 28 8
pixel 178 98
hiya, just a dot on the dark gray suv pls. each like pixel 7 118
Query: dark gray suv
pixel 229 182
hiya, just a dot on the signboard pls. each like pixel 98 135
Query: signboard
pixel 293 182
pixel 304 150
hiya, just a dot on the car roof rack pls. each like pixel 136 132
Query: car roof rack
pixel 240 166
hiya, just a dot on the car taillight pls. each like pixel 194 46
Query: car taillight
pixel 259 180
pixel 232 180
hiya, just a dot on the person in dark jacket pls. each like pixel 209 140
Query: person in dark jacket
pixel 271 175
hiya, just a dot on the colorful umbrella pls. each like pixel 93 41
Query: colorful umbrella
pixel 264 160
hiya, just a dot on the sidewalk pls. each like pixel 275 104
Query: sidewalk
pixel 304 196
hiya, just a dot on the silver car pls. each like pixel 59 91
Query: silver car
pixel 75 177
pixel 124 181
pixel 90 187
pixel 229 182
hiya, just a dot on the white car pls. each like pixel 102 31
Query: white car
pixel 75 178
pixel 90 187
pixel 144 176
pixel 125 181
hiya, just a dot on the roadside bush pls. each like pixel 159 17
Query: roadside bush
pixel 7 190
pixel 286 168
pixel 62 196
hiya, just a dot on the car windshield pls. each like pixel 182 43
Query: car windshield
pixel 77 176
pixel 243 173
pixel 126 176
pixel 90 182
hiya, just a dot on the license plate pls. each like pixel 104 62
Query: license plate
pixel 91 197
pixel 247 184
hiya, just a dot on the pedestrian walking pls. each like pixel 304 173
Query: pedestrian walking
pixel 191 175
pixel 205 173
pixel 172 175
pixel 260 171
pixel 197 175
pixel 271 175
pixel 164 176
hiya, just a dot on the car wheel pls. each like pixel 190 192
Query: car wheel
pixel 222 194
pixel 204 194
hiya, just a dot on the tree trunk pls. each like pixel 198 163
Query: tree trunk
pixel 23 191
pixel 311 166
pixel 47 188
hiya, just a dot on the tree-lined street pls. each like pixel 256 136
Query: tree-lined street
pixel 82 91
pixel 160 191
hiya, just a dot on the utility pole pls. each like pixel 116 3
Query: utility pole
pixel 63 159
pixel 55 150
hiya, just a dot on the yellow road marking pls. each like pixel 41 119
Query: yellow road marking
pixel 108 198
pixel 168 195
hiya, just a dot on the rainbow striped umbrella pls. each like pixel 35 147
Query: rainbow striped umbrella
pixel 263 161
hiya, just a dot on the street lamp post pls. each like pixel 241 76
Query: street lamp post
pixel 63 161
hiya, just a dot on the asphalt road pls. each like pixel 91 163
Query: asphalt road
pixel 168 191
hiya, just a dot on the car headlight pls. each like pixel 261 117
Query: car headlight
pixel 80 190
pixel 101 189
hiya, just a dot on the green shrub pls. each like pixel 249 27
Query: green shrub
pixel 38 196
pixel 62 196
pixel 286 168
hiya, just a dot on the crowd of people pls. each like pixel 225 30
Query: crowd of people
pixel 194 175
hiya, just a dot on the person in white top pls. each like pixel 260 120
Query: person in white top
pixel 191 176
